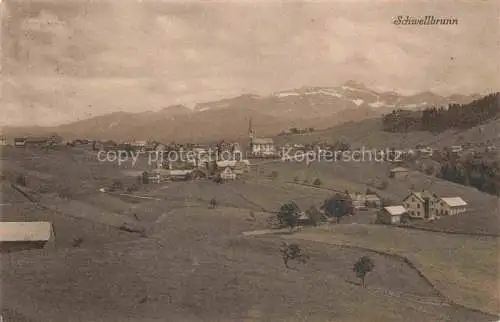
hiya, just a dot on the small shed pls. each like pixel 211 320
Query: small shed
pixel 398 172
pixel 391 215
pixel 373 201
pixel 18 236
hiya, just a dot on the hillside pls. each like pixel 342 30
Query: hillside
pixel 439 119
pixel 317 107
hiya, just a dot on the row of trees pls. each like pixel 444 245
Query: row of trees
pixel 459 116
pixel 337 206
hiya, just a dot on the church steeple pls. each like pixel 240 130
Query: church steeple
pixel 251 132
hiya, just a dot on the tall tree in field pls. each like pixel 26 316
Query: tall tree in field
pixel 289 214
pixel 363 266
pixel 338 206
pixel 213 203
pixel 292 252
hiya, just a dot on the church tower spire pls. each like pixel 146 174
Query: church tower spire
pixel 251 132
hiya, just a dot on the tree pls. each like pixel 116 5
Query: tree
pixel 363 266
pixel 292 252
pixel 289 214
pixel 145 177
pixel 213 203
pixel 315 215
pixel 338 206
pixel 77 242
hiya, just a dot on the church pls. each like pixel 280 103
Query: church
pixel 260 147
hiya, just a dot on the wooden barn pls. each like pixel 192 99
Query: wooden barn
pixel 19 236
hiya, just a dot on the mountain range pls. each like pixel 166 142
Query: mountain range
pixel 317 107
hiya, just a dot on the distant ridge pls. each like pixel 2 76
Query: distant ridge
pixel 317 107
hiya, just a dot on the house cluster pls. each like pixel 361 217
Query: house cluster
pixel 37 141
pixel 422 205
pixel 201 162
pixel 363 201
pixel 464 150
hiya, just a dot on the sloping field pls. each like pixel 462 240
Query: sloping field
pixel 464 268
pixel 66 228
pixel 369 133
pixel 225 280
pixel 484 215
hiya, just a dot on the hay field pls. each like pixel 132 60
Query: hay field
pixel 464 268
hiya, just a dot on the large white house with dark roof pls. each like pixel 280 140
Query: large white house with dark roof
pixel 421 205
pixel 426 205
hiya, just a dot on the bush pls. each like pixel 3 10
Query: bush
pixel 274 174
pixel 317 182
pixel 295 179
pixel 77 242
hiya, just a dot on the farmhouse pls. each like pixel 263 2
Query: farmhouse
pixel 19 142
pixel 391 215
pixel 108 145
pixel 358 200
pixel 172 174
pixel 228 174
pixel 398 173
pixel 373 201
pixel 262 147
pixel 421 205
pixel 18 236
pixel 451 206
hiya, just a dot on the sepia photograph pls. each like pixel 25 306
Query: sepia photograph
pixel 249 160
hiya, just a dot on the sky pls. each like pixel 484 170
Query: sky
pixel 68 60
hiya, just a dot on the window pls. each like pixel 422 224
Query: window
pixel 418 213
pixel 418 205
pixel 412 199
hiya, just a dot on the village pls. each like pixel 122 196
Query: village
pixel 157 163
